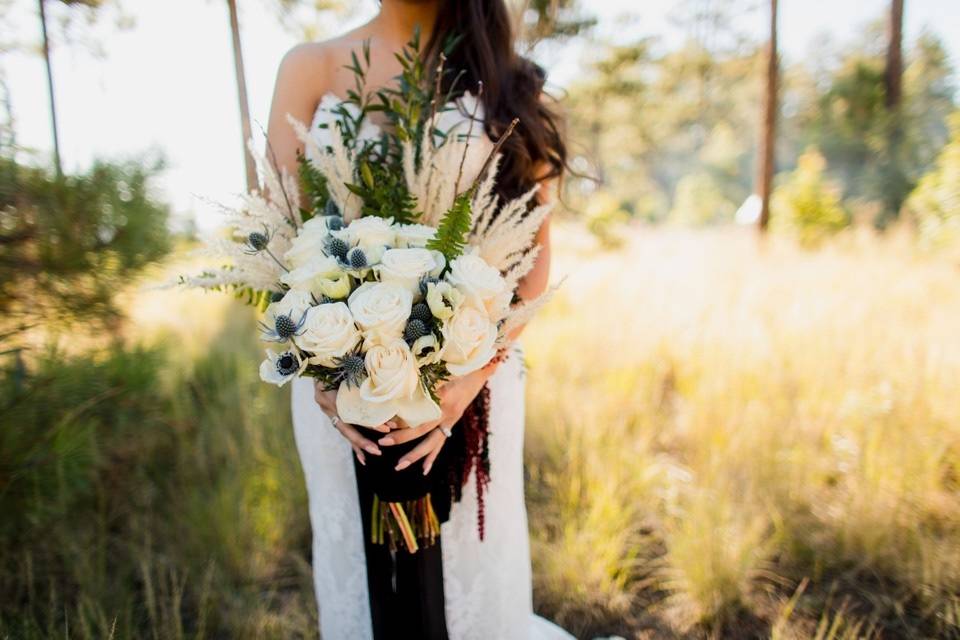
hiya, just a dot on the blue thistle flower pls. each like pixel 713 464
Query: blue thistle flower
pixel 415 329
pixel 285 326
pixel 337 248
pixel 352 369
pixel 421 311
pixel 356 258
pixel 258 241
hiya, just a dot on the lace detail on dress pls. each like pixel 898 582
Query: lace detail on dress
pixel 339 562
pixel 488 584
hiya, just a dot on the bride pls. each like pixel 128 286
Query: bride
pixel 461 587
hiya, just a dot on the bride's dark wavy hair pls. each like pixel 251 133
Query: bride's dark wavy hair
pixel 483 51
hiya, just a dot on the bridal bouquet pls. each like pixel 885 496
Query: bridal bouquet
pixel 373 310
pixel 398 269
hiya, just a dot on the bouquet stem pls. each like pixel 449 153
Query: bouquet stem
pixel 409 522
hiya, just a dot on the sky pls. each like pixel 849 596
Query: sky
pixel 165 85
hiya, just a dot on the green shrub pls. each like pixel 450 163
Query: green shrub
pixel 935 203
pixel 699 200
pixel 67 244
pixel 807 204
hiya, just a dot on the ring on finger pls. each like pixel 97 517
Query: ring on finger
pixel 446 431
pixel 335 420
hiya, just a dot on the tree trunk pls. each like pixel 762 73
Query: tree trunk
pixel 53 102
pixel 765 160
pixel 893 74
pixel 251 167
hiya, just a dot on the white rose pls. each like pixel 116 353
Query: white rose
pixel 415 236
pixel 392 388
pixel 381 310
pixel 405 267
pixel 308 245
pixel 482 284
pixel 443 299
pixel 371 232
pixel 468 340
pixel 328 332
pixel 311 276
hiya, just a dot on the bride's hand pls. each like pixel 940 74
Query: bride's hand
pixel 328 403
pixel 455 397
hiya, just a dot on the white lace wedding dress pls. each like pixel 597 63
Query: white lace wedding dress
pixel 487 585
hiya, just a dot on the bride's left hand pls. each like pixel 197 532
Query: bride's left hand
pixel 455 396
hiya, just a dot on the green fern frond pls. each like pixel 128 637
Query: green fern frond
pixel 451 236
pixel 314 187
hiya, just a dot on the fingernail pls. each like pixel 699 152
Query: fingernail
pixel 385 441
pixel 360 459
pixel 390 424
pixel 403 465
pixel 372 449
pixel 426 469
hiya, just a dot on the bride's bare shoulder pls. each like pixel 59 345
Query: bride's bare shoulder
pixel 321 63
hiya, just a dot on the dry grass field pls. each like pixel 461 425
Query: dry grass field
pixel 724 440
pixel 748 439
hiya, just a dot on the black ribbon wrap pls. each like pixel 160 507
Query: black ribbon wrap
pixel 425 500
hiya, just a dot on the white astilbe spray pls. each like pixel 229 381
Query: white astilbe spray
pixel 505 238
pixel 522 313
pixel 486 200
pixel 434 184
pixel 335 163
pixel 523 266
pixel 450 167
pixel 274 212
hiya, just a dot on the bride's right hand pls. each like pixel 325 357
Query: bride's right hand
pixel 328 403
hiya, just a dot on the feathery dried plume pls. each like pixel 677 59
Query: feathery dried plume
pixel 522 313
pixel 523 266
pixel 274 211
pixel 503 242
pixel 336 164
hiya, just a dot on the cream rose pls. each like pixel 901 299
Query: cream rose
pixel 312 275
pixel 392 388
pixel 480 283
pixel 381 310
pixel 328 332
pixel 371 232
pixel 415 236
pixel 405 267
pixel 468 340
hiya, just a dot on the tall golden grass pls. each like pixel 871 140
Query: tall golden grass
pixel 724 439
pixel 713 420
